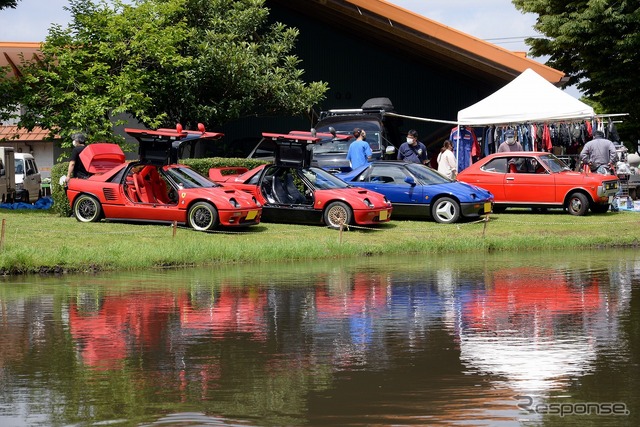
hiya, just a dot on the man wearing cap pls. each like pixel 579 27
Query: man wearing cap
pixel 599 153
pixel 76 168
pixel 510 143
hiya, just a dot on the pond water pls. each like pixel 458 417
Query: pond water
pixel 522 339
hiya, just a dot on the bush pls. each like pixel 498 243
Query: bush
pixel 61 204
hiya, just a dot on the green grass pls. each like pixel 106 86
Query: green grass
pixel 41 241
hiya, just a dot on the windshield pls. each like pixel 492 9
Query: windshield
pixel 554 163
pixel 346 128
pixel 323 180
pixel 427 175
pixel 188 178
pixel 19 166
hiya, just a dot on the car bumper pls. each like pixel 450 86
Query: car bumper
pixel 240 217
pixel 609 189
pixel 371 216
pixel 476 209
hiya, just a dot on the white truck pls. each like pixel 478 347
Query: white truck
pixel 7 175
pixel 28 181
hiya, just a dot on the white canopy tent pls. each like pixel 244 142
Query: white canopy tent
pixel 528 98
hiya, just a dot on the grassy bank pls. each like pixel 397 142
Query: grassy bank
pixel 43 242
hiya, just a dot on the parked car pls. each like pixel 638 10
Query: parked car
pixel 153 190
pixel 28 179
pixel 540 180
pixel 293 191
pixel 417 191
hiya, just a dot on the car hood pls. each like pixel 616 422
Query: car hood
pixel 352 193
pixel 461 190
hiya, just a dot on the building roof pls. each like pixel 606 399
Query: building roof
pixel 14 134
pixel 11 53
pixel 417 35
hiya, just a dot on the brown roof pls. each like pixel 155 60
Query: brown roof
pixel 11 53
pixel 417 35
pixel 14 134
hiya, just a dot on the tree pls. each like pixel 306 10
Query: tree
pixel 597 44
pixel 8 3
pixel 163 62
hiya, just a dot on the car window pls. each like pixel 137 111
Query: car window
pixel 323 180
pixel 188 178
pixel 372 128
pixel 426 175
pixel 554 163
pixel 496 165
pixel 387 174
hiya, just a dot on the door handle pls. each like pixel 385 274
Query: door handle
pixel 510 179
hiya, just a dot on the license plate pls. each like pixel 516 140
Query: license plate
pixel 252 215
pixel 487 207
pixel 384 215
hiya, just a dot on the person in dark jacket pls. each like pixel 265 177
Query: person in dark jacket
pixel 413 150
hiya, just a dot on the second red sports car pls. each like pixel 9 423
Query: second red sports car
pixel 291 191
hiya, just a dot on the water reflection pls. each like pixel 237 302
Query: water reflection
pixel 446 340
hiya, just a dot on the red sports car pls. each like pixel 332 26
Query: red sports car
pixel 540 180
pixel 292 191
pixel 152 191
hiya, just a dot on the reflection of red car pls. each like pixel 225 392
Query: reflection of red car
pixel 152 190
pixel 291 191
pixel 540 180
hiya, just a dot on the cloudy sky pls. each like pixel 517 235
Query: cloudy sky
pixel 497 21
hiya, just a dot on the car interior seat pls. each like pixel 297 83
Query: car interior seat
pixel 141 188
pixel 295 196
pixel 279 191
pixel 513 168
pixel 267 191
pixel 158 186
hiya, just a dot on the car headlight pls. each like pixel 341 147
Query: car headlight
pixel 387 201
pixel 256 201
pixel 234 202
pixel 368 203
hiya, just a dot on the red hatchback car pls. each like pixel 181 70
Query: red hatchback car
pixel 151 190
pixel 292 191
pixel 540 180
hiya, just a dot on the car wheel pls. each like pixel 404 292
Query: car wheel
pixel 337 214
pixel 445 210
pixel 578 204
pixel 203 216
pixel 600 208
pixel 87 208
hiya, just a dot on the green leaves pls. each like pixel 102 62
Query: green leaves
pixel 597 44
pixel 162 62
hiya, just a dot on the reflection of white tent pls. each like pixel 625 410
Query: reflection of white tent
pixel 528 98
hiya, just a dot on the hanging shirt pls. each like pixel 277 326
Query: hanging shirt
pixel 464 145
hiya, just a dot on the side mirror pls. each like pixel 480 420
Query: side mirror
pixel 332 131
pixel 409 180
pixel 390 150
pixel 313 132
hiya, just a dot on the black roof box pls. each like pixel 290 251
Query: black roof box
pixel 378 104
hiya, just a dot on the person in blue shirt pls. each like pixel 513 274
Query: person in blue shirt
pixel 412 150
pixel 359 153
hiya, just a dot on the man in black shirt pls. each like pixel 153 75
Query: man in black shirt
pixel 76 168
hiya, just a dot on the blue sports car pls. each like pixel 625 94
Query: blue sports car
pixel 417 191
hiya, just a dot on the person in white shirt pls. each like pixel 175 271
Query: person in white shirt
pixel 447 164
